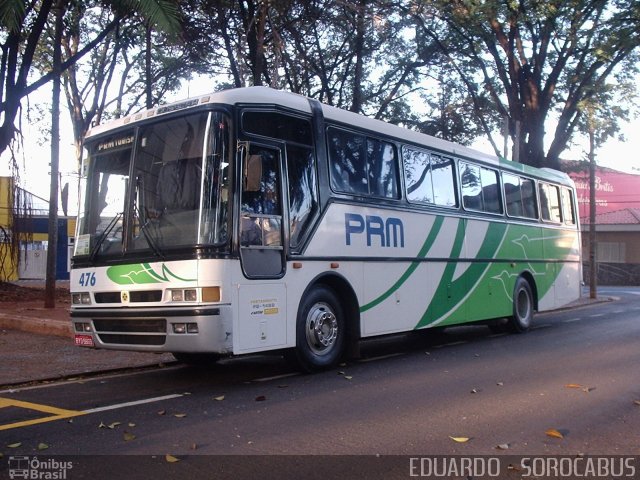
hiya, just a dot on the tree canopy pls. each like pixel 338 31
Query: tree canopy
pixel 457 69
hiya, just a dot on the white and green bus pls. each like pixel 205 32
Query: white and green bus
pixel 252 220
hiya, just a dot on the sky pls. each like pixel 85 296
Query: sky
pixel 34 162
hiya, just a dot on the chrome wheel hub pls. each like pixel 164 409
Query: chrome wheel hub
pixel 321 329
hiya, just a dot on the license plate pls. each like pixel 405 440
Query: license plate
pixel 84 341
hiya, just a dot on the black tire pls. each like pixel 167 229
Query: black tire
pixel 320 330
pixel 522 317
pixel 197 359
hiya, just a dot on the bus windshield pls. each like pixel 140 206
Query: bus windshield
pixel 161 186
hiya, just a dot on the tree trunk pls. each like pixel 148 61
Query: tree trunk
pixel 356 104
pixel 52 247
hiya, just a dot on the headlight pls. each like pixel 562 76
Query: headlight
pixel 83 298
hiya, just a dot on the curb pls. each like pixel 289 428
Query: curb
pixel 80 376
pixel 42 326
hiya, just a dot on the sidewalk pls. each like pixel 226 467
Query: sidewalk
pixel 36 344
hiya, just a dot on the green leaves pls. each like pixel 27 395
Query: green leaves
pixel 163 14
pixel 12 14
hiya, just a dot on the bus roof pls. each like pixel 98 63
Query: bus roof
pixel 297 102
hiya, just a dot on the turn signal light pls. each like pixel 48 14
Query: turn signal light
pixel 211 294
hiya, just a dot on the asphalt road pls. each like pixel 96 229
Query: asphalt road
pixel 463 391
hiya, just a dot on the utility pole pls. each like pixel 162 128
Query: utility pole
pixel 593 272
pixel 52 248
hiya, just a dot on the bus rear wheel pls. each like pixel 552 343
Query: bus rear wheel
pixel 522 317
pixel 320 330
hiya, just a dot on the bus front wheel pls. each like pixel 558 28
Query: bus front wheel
pixel 320 330
pixel 522 317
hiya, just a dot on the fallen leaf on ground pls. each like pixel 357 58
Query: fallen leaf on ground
pixel 171 458
pixel 14 445
pixel 574 385
pixel 179 415
pixel 161 412
pixel 219 399
pixel 637 402
pixel 552 432
pixel 128 436
pixel 348 377
pixel 260 398
pixel 131 424
pixel 42 446
pixel 113 425
pixel 460 439
pixel 102 425
pixel 503 446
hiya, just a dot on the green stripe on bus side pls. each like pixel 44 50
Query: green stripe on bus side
pixel 446 286
pixel 433 233
pixel 469 294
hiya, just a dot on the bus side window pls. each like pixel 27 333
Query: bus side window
pixel 519 196
pixel 444 187
pixel 568 207
pixel 528 191
pixel 490 191
pixel 348 169
pixel 513 195
pixel 417 173
pixel 383 169
pixel 480 189
pixel 303 190
pixel 550 203
pixel 471 186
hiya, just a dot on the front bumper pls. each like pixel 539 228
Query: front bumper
pixel 197 329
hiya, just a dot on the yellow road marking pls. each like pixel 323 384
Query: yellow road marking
pixel 56 413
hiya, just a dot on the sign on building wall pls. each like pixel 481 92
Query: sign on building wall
pixel 614 191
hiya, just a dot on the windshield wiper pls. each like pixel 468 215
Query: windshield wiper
pixel 150 240
pixel 103 236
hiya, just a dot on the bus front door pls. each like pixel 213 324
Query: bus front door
pixel 261 234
